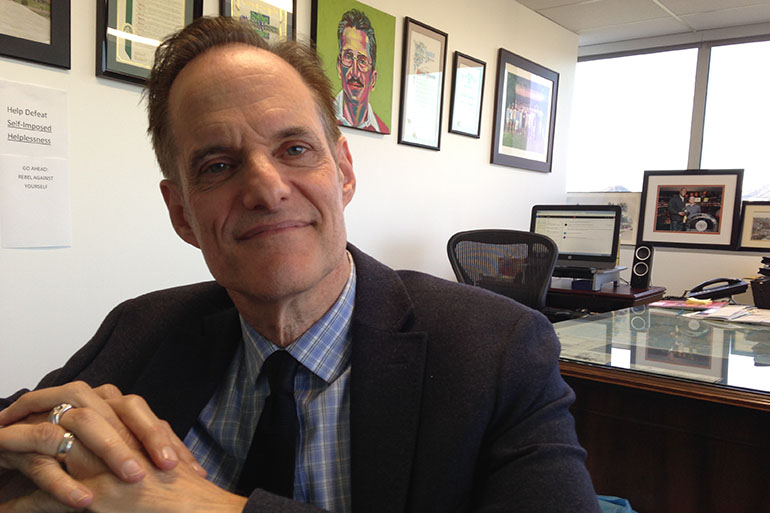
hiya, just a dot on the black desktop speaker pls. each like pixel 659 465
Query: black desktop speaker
pixel 640 318
pixel 641 271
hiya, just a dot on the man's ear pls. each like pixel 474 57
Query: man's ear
pixel 172 195
pixel 345 166
pixel 339 67
pixel 374 79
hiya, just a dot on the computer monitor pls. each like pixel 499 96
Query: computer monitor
pixel 586 235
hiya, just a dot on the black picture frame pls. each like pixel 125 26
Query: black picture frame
pixel 419 122
pixel 754 234
pixel 525 101
pixel 56 53
pixel 467 97
pixel 713 226
pixel 226 9
pixel 108 64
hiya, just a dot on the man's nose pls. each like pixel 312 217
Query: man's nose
pixel 264 186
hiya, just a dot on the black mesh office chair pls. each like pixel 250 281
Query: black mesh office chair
pixel 512 263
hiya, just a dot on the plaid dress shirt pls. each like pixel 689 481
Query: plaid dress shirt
pixel 220 438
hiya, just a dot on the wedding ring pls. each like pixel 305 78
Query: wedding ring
pixel 65 446
pixel 58 411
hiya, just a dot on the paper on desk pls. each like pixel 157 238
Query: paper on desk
pixel 735 313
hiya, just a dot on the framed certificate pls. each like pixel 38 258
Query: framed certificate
pixel 467 95
pixel 129 31
pixel 274 20
pixel 422 85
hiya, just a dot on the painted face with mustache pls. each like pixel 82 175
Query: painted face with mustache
pixel 354 65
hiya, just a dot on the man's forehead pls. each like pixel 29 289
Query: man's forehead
pixel 234 58
pixel 352 36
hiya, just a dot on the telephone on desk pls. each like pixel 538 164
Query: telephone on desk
pixel 718 288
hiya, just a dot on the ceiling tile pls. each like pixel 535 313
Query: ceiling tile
pixel 602 13
pixel 638 30
pixel 536 5
pixel 729 17
pixel 680 7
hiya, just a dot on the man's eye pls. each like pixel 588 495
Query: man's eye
pixel 216 167
pixel 295 150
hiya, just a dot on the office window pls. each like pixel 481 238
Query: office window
pixel 630 114
pixel 735 133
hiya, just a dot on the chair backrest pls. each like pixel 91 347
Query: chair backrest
pixel 512 263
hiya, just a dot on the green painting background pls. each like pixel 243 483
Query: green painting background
pixel 329 14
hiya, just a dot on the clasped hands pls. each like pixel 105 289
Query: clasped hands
pixel 123 459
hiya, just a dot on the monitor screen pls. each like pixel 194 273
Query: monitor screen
pixel 586 235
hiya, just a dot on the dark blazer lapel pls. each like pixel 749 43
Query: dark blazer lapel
pixel 185 372
pixel 387 369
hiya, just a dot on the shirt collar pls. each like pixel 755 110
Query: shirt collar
pixel 370 121
pixel 324 348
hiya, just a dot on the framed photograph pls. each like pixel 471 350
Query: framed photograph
pixel 274 20
pixel 525 113
pixel 467 95
pixel 679 347
pixel 694 208
pixel 129 31
pixel 357 45
pixel 629 206
pixel 422 85
pixel 755 226
pixel 36 30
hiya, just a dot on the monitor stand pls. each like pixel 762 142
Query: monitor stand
pixel 583 278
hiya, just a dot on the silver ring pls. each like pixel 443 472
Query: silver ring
pixel 58 411
pixel 65 446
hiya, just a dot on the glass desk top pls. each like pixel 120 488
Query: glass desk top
pixel 661 342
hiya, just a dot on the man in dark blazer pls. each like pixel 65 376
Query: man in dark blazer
pixel 451 398
pixel 676 210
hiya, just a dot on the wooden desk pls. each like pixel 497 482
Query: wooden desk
pixel 608 298
pixel 674 413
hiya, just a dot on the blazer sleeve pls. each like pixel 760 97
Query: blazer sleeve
pixel 532 460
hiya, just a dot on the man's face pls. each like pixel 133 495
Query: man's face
pixel 260 192
pixel 354 65
pixel 683 193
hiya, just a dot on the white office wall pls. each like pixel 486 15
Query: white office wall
pixel 409 200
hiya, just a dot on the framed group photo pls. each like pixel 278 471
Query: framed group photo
pixel 525 113
pixel 467 95
pixel 36 31
pixel 274 20
pixel 422 85
pixel 129 31
pixel 691 208
pixel 755 226
pixel 357 43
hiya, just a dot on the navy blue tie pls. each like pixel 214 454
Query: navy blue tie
pixel 270 462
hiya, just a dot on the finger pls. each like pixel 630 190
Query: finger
pixel 100 437
pixel 48 475
pixel 41 438
pixel 108 391
pixel 185 456
pixel 155 435
pixel 37 502
pixel 77 393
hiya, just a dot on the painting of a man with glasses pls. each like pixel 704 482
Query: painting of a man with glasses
pixel 356 67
